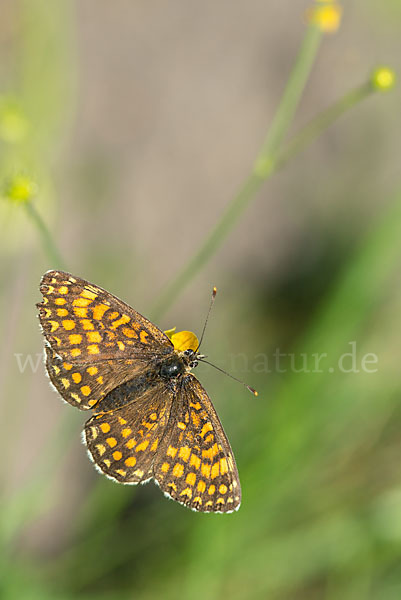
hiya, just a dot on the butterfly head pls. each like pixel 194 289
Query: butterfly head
pixel 191 358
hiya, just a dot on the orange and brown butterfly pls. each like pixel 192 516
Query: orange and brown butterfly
pixel 152 418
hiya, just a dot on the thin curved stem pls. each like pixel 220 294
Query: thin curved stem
pixel 252 184
pixel 49 246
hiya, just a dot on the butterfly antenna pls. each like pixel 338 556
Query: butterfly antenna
pixel 214 292
pixel 253 391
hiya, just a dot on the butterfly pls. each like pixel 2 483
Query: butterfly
pixel 151 418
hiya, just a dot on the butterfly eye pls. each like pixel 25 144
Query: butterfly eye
pixel 188 352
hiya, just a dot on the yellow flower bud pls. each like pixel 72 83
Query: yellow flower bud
pixel 13 123
pixel 383 79
pixel 327 16
pixel 20 189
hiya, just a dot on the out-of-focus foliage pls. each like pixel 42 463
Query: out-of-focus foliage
pixel 125 128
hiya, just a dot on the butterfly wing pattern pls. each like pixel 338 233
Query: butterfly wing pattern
pixel 152 418
pixel 94 341
pixel 195 464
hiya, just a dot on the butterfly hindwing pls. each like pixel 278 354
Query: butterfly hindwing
pixel 195 464
pixel 84 385
pixel 123 442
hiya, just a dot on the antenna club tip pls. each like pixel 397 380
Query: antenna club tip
pixel 254 392
pixel 214 291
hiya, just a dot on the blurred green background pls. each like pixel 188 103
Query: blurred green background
pixel 133 124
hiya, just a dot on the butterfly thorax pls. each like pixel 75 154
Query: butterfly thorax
pixel 179 364
pixel 168 368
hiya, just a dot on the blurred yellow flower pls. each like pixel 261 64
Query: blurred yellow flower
pixel 383 78
pixel 20 189
pixel 13 123
pixel 326 15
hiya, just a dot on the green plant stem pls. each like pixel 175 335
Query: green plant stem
pixel 292 93
pixel 261 171
pixel 209 246
pixel 49 246
pixel 321 122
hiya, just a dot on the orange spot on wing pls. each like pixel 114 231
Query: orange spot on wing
pixel 88 294
pixel 87 324
pixel 99 310
pixel 195 461
pixel 171 451
pixel 195 419
pixel 94 337
pixel 190 478
pixel 223 466
pixel 201 486
pixel 130 461
pixel 215 471
pixel 121 321
pixel 178 470
pixel 131 333
pixel 184 453
pixel 205 470
pixel 207 427
pixel 142 446
pixel 81 302
pixel 143 335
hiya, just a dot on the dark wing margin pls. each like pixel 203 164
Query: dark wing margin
pixel 195 464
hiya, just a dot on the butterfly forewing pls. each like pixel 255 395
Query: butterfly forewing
pixel 95 341
pixel 195 464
